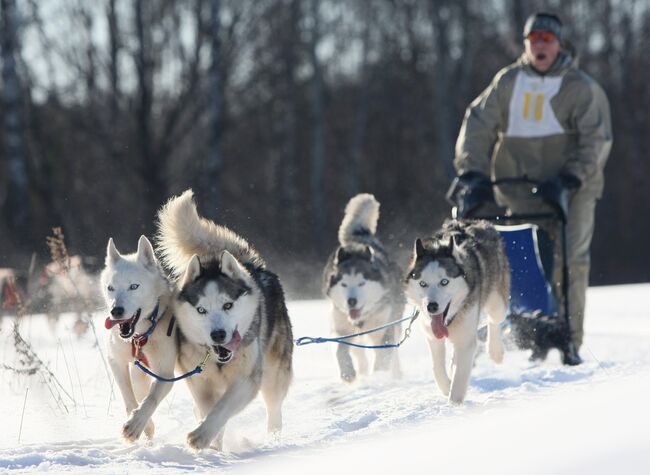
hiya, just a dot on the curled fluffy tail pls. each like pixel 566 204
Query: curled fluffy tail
pixel 183 233
pixel 359 223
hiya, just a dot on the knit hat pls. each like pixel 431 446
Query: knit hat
pixel 543 22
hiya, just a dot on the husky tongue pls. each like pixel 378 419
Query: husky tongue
pixel 438 326
pixel 110 323
pixel 354 313
pixel 234 342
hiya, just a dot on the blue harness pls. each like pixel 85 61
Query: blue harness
pixel 141 340
pixel 307 340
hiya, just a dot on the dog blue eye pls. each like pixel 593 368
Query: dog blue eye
pixel 444 282
pixel 201 310
pixel 110 288
pixel 133 286
pixel 344 285
pixel 227 305
pixel 423 284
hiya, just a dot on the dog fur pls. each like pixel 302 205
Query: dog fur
pixel 133 285
pixel 453 277
pixel 364 287
pixel 230 306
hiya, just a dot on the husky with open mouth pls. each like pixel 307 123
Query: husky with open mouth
pixel 231 309
pixel 454 277
pixel 365 289
pixel 138 297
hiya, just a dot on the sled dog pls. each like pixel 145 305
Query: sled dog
pixel 138 297
pixel 231 309
pixel 455 276
pixel 365 290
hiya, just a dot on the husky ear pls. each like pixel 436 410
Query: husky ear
pixel 232 267
pixel 419 248
pixel 112 254
pixel 145 252
pixel 341 255
pixel 455 249
pixel 192 272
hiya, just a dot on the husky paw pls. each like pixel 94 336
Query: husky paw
pixel 199 439
pixel 496 351
pixel 133 428
pixel 348 377
pixel 456 400
pixel 149 429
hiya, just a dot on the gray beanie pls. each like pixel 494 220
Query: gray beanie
pixel 543 22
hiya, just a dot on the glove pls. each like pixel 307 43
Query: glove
pixel 468 192
pixel 556 192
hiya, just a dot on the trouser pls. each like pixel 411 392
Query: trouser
pixel 580 229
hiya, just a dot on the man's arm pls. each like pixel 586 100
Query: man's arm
pixel 593 124
pixel 479 132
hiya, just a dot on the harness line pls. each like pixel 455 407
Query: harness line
pixel 138 341
pixel 307 340
pixel 198 369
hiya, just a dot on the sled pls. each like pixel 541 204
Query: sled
pixel 538 318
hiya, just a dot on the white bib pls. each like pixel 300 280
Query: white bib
pixel 531 114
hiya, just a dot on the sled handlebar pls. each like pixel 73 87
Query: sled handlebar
pixel 516 181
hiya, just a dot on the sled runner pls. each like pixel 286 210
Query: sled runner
pixel 538 315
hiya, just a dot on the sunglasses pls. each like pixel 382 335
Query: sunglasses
pixel 544 36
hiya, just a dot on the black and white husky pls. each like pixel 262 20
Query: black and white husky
pixel 230 308
pixel 364 287
pixel 454 277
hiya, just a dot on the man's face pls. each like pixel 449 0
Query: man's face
pixel 542 48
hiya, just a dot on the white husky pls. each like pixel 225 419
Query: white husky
pixel 138 296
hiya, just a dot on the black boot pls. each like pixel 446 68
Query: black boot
pixel 570 355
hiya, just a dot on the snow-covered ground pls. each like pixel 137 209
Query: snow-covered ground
pixel 518 418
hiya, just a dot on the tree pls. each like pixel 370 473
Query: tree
pixel 17 206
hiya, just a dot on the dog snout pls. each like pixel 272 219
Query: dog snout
pixel 432 307
pixel 218 336
pixel 352 302
pixel 117 311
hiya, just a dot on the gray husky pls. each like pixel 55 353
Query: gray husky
pixel 364 287
pixel 230 309
pixel 454 277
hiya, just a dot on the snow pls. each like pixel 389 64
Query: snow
pixel 518 418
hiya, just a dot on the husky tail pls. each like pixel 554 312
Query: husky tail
pixel 183 233
pixel 359 223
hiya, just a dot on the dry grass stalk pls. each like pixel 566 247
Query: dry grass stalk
pixel 60 255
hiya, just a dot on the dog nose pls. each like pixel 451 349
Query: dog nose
pixel 117 311
pixel 432 307
pixel 352 302
pixel 218 336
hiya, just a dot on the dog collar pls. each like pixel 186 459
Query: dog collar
pixel 138 341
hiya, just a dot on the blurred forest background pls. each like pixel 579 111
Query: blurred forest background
pixel 276 112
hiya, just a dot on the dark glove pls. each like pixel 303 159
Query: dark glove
pixel 556 192
pixel 468 192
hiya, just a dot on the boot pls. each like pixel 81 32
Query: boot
pixel 570 356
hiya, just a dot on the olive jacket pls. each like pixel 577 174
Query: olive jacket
pixel 538 125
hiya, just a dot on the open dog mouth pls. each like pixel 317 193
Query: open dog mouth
pixel 226 351
pixel 438 325
pixel 127 326
pixel 354 313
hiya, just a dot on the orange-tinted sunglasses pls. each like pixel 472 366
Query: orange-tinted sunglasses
pixel 545 36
